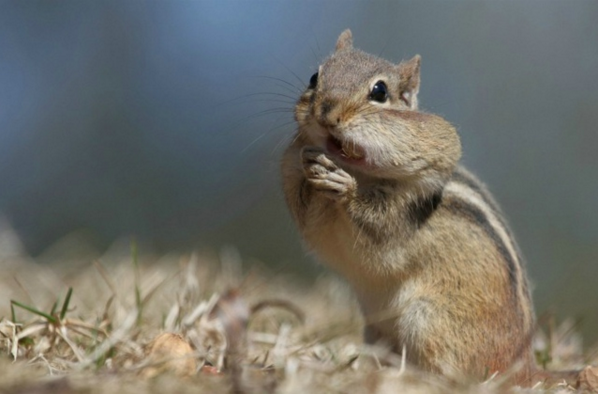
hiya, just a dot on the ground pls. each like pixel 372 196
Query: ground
pixel 189 323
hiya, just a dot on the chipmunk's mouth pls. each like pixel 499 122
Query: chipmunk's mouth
pixel 346 150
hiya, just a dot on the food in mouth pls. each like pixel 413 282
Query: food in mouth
pixel 346 149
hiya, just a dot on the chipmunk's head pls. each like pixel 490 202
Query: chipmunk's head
pixel 363 110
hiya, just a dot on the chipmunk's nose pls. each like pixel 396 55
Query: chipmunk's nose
pixel 326 107
pixel 330 113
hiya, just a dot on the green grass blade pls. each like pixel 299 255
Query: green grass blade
pixel 53 311
pixel 65 306
pixel 50 318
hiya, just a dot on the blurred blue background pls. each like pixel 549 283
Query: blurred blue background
pixel 166 119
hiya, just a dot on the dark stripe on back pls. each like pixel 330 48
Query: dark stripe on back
pixel 475 215
pixel 421 209
pixel 462 176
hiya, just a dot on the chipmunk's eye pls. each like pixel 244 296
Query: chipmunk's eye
pixel 313 81
pixel 379 92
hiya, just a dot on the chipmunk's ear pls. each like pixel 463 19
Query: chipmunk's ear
pixel 409 85
pixel 345 40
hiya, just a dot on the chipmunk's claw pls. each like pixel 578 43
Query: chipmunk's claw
pixel 325 176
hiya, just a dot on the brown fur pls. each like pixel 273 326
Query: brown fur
pixel 376 192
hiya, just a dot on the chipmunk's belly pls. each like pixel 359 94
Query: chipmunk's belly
pixel 351 254
pixel 380 277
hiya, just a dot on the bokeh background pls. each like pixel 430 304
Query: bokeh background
pixel 165 120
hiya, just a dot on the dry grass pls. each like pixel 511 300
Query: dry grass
pixel 236 332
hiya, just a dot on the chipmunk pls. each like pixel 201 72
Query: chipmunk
pixel 376 190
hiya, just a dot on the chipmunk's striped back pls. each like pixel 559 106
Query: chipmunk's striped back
pixel 464 195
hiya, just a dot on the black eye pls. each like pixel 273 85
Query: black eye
pixel 379 92
pixel 313 81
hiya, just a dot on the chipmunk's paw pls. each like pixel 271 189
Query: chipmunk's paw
pixel 325 176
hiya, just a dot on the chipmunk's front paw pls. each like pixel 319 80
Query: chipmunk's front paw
pixel 325 176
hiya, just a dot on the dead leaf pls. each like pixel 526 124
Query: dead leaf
pixel 169 352
pixel 588 379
